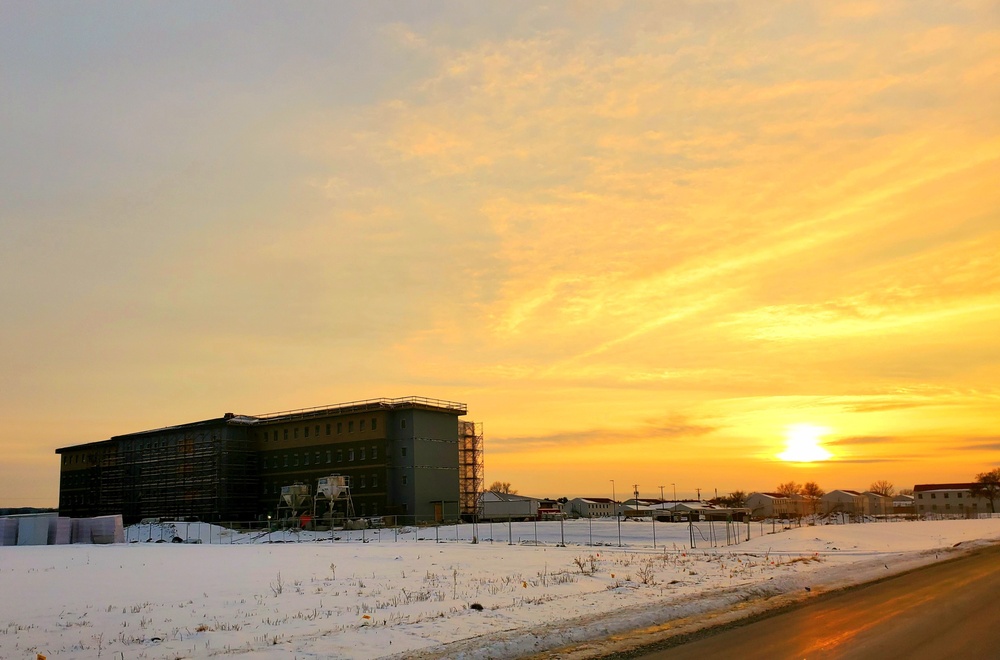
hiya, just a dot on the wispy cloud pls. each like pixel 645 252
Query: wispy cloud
pixel 663 433
pixel 588 217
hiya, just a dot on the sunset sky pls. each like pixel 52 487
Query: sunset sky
pixel 642 241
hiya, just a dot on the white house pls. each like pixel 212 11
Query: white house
pixel 850 502
pixel 949 500
pixel 775 505
pixel 592 507
pixel 633 508
pixel 879 505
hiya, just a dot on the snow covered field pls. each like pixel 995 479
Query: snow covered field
pixel 393 595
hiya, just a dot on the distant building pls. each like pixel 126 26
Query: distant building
pixel 640 508
pixel 951 500
pixel 878 505
pixel 696 511
pixel 591 507
pixel 495 505
pixel 775 505
pixel 902 505
pixel 411 457
pixel 850 502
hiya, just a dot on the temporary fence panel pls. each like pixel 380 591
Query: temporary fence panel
pixel 8 531
pixel 60 531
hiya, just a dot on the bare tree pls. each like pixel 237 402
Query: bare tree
pixel 882 487
pixel 788 489
pixel 502 487
pixel 737 498
pixel 734 499
pixel 906 491
pixel 812 489
pixel 988 487
pixel 812 492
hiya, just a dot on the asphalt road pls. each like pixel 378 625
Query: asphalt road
pixel 945 610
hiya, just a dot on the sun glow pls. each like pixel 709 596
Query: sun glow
pixel 802 444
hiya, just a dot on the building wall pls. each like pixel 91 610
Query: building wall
pixel 590 509
pixel 401 456
pixel 204 469
pixel 496 506
pixel 957 502
pixel 879 505
pixel 305 449
pixel 839 501
pixel 434 466
pixel 764 506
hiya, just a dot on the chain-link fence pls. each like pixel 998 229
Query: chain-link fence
pixel 580 532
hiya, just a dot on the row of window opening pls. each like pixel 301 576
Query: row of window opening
pixel 316 458
pixel 363 425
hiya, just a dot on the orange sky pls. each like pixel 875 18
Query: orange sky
pixel 640 241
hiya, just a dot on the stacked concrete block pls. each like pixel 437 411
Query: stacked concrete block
pixel 60 531
pixel 8 531
pixel 107 529
pixel 50 529
pixel 81 530
pixel 32 530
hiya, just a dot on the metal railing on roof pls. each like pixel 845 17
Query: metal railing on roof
pixel 370 404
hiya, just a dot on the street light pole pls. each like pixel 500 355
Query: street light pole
pixel 675 492
pixel 614 501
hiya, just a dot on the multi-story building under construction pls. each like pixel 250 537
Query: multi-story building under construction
pixel 412 458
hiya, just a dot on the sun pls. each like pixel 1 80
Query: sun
pixel 802 444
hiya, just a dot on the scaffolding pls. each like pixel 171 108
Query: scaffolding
pixel 204 470
pixel 470 468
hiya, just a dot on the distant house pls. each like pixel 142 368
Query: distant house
pixel 685 511
pixel 591 507
pixel 902 505
pixel 954 500
pixel 850 502
pixel 775 505
pixel 640 508
pixel 879 505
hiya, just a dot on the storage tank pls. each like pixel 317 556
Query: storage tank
pixel 332 487
pixel 295 496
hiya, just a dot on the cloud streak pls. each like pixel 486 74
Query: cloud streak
pixel 574 217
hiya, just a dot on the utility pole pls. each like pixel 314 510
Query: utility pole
pixel 661 494
pixel 699 493
pixel 618 517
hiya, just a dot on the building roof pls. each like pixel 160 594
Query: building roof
pixel 409 402
pixel 418 402
pixel 228 418
pixel 925 487
pixel 509 497
pixel 775 496
pixel 595 500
